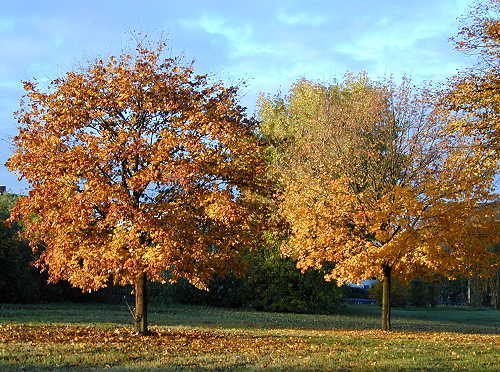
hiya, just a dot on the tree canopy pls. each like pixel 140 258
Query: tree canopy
pixel 374 185
pixel 138 167
pixel 472 98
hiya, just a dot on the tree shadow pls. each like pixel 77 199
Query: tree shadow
pixel 350 318
pixel 199 316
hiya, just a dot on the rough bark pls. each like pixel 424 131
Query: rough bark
pixel 386 299
pixel 141 313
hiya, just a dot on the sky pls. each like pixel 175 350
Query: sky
pixel 269 44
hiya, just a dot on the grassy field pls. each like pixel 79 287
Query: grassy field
pixel 81 337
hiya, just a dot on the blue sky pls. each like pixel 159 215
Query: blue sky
pixel 269 43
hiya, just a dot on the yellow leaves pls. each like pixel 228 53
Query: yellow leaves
pixel 220 207
pixel 362 189
pixel 382 235
pixel 470 101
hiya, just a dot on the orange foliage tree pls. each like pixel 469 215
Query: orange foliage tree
pixel 373 186
pixel 472 98
pixel 139 170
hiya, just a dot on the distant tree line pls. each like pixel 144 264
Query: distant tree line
pixel 20 282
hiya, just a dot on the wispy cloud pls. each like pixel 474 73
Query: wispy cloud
pixel 238 36
pixel 301 18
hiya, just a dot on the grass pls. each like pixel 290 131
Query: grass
pixel 82 337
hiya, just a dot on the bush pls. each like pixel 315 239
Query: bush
pixel 222 291
pixel 18 280
pixel 274 283
pixel 422 293
pixel 271 283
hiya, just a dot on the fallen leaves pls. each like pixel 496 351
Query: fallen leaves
pixel 49 345
pixel 168 340
pixel 197 340
pixel 447 337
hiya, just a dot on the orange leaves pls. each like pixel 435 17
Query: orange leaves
pixel 207 341
pixel 28 86
pixel 136 165
pixel 168 340
pixel 271 349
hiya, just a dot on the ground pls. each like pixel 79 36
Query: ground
pixel 82 337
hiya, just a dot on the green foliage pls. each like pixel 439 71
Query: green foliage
pixel 422 293
pixel 271 283
pixel 222 291
pixel 7 201
pixel 454 292
pixel 17 280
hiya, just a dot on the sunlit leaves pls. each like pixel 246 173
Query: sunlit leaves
pixel 372 178
pixel 472 98
pixel 136 164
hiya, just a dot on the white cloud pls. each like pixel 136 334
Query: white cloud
pixel 268 43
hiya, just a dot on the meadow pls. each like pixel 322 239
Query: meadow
pixel 84 337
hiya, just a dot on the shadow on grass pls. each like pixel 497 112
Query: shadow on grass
pixel 351 317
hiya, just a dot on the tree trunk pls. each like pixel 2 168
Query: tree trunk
pixel 141 302
pixel 495 291
pixel 386 299
pixel 475 293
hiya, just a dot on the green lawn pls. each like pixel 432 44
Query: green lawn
pixel 194 338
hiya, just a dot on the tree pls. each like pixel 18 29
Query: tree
pixel 139 170
pixel 375 187
pixel 485 291
pixel 472 98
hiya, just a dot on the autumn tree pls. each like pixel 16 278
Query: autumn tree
pixel 374 187
pixel 472 98
pixel 139 169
